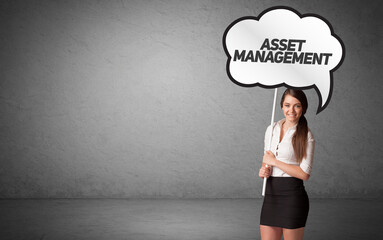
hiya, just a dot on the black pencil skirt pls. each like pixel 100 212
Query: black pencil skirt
pixel 285 204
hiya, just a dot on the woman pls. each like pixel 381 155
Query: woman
pixel 286 204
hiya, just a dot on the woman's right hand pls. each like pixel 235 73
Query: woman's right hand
pixel 265 172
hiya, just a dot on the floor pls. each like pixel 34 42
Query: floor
pixel 194 219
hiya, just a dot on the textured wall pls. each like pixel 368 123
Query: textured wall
pixel 131 99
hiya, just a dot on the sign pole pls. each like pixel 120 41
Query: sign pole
pixel 271 135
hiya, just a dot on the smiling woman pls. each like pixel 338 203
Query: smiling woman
pixel 286 204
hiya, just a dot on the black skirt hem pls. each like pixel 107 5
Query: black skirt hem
pixel 282 226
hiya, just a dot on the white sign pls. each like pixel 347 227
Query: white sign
pixel 283 48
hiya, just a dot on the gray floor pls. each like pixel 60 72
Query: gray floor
pixel 220 219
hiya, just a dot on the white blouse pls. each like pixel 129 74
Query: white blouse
pixel 284 150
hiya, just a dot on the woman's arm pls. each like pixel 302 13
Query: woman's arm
pixel 292 170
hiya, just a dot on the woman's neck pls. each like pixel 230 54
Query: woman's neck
pixel 288 124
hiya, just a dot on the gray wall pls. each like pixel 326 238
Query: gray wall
pixel 131 99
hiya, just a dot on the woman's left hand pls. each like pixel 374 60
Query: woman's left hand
pixel 269 158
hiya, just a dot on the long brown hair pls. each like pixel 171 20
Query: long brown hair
pixel 299 139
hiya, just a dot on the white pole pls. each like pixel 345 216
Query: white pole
pixel 271 135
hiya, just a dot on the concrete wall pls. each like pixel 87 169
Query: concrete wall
pixel 132 99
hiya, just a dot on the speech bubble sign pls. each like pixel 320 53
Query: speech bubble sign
pixel 281 47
